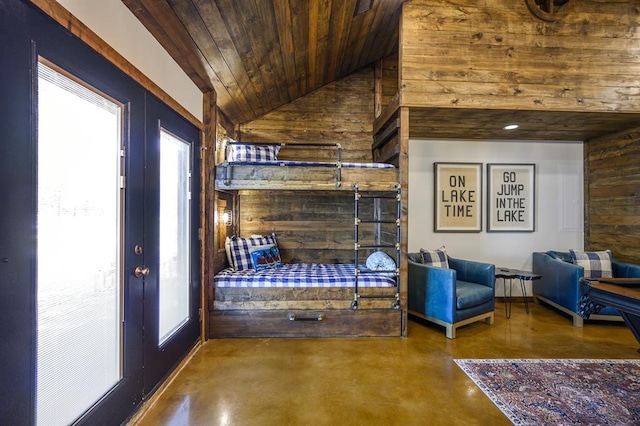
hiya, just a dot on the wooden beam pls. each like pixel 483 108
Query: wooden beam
pixel 209 242
pixel 377 89
pixel 404 212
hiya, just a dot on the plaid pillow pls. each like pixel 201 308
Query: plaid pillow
pixel 596 264
pixel 435 257
pixel 254 153
pixel 241 250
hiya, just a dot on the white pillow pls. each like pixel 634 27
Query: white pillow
pixel 227 248
pixel 380 261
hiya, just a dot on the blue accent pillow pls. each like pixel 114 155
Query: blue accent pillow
pixel 596 264
pixel 265 257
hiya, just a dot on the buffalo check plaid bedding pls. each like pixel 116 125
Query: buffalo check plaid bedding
pixel 301 275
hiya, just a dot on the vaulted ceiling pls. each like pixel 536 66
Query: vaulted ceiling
pixel 261 54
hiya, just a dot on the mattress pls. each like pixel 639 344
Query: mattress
pixel 304 275
pixel 313 164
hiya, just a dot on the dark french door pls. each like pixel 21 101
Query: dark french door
pixel 99 283
pixel 171 215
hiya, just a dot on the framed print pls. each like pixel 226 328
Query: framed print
pixel 511 197
pixel 457 197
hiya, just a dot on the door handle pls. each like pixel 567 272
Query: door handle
pixel 140 271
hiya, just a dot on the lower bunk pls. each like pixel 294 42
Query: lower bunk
pixel 304 300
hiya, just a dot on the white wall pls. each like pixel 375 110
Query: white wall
pixel 559 221
pixel 112 21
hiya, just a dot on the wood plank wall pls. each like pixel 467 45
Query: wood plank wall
pixel 496 54
pixel 389 85
pixel 310 226
pixel 612 182
pixel 340 112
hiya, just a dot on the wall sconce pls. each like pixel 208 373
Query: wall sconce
pixel 227 217
pixel 222 142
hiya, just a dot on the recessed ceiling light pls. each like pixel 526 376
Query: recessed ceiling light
pixel 510 127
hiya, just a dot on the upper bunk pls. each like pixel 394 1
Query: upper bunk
pixel 258 166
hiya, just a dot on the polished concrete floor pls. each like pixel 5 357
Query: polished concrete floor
pixel 371 381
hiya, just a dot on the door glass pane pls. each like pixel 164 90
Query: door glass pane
pixel 79 333
pixel 175 201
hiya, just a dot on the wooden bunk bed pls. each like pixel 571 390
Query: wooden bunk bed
pixel 303 175
pixel 365 302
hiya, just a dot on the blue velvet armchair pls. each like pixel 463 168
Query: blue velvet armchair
pixel 560 284
pixel 452 297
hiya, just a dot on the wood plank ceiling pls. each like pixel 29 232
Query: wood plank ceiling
pixel 261 54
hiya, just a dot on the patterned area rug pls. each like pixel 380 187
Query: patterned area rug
pixel 560 391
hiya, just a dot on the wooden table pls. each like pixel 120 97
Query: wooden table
pixel 622 294
pixel 510 274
